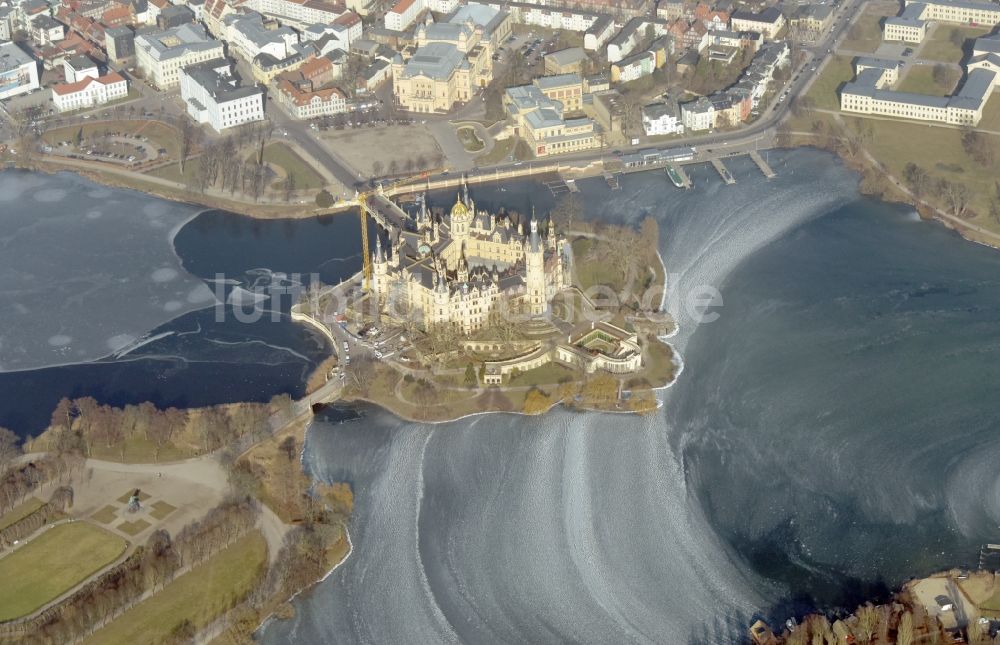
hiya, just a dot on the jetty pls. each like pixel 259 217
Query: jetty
pixel 558 187
pixel 612 180
pixel 764 168
pixel 723 171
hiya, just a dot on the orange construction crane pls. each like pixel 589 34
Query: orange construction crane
pixel 363 207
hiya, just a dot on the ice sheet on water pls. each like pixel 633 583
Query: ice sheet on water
pixel 85 270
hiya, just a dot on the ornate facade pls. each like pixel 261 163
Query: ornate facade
pixel 467 267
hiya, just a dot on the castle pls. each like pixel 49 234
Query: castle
pixel 466 268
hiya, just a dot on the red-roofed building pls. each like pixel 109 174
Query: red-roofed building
pixel 89 92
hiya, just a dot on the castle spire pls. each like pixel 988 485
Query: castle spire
pixel 379 256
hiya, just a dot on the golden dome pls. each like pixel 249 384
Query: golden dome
pixel 459 209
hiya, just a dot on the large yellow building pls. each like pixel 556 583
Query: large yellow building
pixel 451 61
pixel 537 114
pixel 465 269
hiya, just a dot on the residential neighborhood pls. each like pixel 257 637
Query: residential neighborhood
pixel 545 79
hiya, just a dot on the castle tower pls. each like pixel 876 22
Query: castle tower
pixel 380 271
pixel 463 268
pixel 460 220
pixel 534 260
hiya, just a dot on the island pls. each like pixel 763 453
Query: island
pixel 470 311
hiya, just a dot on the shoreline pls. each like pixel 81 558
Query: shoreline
pixel 170 191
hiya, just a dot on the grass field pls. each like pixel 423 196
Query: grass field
pixel 53 563
pixel 162 509
pixel 470 141
pixel 548 374
pixel 200 596
pixel 590 273
pixel 866 34
pixel 991 115
pixel 939 46
pixel 823 91
pixel 920 79
pixel 305 176
pixel 106 515
pixel 133 528
pixel 172 171
pixel 139 450
pixel 20 511
pixel 504 147
pixel 939 151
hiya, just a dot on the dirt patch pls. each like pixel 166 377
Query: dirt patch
pixel 363 147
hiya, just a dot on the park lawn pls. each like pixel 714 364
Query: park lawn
pixel 306 177
pixel 52 564
pixel 920 79
pixel 106 515
pixel 504 148
pixel 548 374
pixel 991 115
pixel 865 35
pixel 939 151
pixel 162 509
pixel 824 90
pixel 172 171
pixel 200 596
pixel 139 450
pixel 133 528
pixel 21 511
pixel 590 273
pixel 469 140
pixel 939 46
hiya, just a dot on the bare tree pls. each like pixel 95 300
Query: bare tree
pixel 9 448
pixel 377 168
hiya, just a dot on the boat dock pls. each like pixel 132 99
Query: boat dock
pixel 723 171
pixel 558 187
pixel 764 168
pixel 612 181
pixel 677 175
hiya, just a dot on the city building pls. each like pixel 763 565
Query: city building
pixel 298 12
pixel 911 25
pixel 44 29
pixel 633 67
pixel 464 269
pixel 568 89
pixel 89 91
pixel 812 19
pixel 662 118
pixel 698 115
pixel 119 42
pixel 566 61
pixel 250 36
pixel 403 14
pixel 871 90
pixel 305 101
pixel 214 97
pixel 540 120
pixel 161 55
pixel 768 22
pixel 18 71
pixel 78 68
pixel 174 16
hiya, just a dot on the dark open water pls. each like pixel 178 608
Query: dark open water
pixel 833 432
